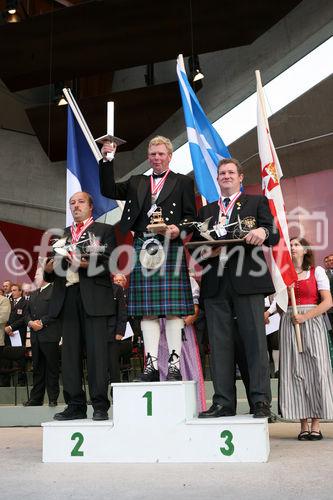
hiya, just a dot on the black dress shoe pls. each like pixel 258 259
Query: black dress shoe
pixel 31 402
pixel 150 374
pixel 216 411
pixel 53 404
pixel 262 409
pixel 71 413
pixel 100 415
pixel 174 374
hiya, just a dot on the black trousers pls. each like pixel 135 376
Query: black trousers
pixel 236 330
pixel 45 359
pixel 90 334
pixel 118 349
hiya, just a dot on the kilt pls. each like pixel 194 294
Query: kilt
pixel 165 291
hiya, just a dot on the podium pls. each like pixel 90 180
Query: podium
pixel 156 422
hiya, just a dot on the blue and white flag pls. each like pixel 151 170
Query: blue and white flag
pixel 83 169
pixel 206 146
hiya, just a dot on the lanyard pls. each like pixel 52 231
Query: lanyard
pixel 159 185
pixel 77 233
pixel 226 211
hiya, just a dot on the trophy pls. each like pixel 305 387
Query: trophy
pixel 109 136
pixel 156 221
pixel 84 248
pixel 235 232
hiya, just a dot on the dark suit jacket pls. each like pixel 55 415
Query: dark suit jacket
pixel 244 282
pixel 17 320
pixel 176 198
pixel 38 308
pixel 96 291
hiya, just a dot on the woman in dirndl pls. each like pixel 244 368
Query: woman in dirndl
pixel 306 381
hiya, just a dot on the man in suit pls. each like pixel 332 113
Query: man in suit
pixel 119 347
pixel 159 284
pixel 4 316
pixel 16 322
pixel 83 298
pixel 45 333
pixel 233 288
pixel 16 319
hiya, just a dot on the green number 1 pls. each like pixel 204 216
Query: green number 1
pixel 229 448
pixel 76 450
pixel 149 397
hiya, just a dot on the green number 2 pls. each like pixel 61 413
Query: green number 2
pixel 149 397
pixel 76 450
pixel 229 448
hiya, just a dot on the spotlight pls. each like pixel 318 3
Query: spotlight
pixel 12 15
pixel 195 71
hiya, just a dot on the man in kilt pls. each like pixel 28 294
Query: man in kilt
pixel 159 284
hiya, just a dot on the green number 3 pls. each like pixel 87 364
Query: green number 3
pixel 76 450
pixel 229 448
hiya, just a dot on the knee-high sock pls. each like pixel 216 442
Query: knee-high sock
pixel 151 338
pixel 173 331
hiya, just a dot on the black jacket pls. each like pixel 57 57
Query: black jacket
pixel 38 308
pixel 96 290
pixel 244 279
pixel 176 198
pixel 17 320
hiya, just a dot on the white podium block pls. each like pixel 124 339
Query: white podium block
pixel 156 422
pixel 228 439
pixel 154 403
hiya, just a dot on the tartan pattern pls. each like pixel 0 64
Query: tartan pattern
pixel 162 292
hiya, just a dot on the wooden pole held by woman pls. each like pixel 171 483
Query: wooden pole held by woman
pixel 297 327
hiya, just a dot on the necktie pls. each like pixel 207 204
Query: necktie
pixel 226 202
pixel 79 225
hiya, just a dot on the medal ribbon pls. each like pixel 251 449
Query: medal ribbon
pixel 159 185
pixel 226 211
pixel 77 232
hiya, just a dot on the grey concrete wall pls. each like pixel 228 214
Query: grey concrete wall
pixel 32 189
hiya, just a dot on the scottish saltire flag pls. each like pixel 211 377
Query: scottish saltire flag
pixel 206 146
pixel 82 170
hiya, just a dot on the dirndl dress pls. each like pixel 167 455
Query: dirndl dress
pixel 165 291
pixel 306 380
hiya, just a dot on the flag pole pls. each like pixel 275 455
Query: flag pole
pixel 297 326
pixel 84 127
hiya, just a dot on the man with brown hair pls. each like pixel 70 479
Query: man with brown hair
pixel 83 298
pixel 233 291
pixel 159 284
